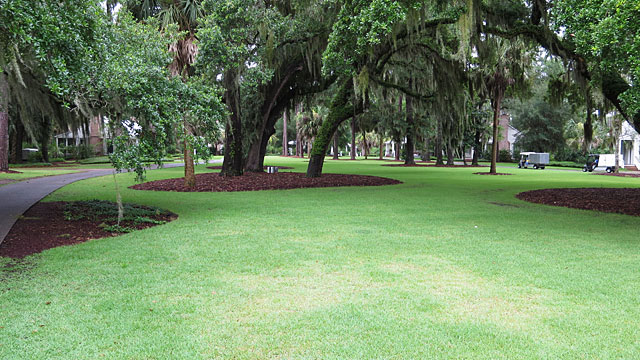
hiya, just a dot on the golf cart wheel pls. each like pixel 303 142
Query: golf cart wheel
pixel 519 166
pixel 584 169
pixel 609 170
pixel 542 167
pixel 535 166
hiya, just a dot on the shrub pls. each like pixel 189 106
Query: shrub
pixel 504 155
pixel 84 151
pixel 34 157
pixel 570 155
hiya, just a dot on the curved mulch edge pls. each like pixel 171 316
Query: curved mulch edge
pixel 417 161
pixel 11 172
pixel 212 182
pixel 44 227
pixel 488 173
pixel 611 200
pixel 620 175
pixel 265 167
pixel 431 164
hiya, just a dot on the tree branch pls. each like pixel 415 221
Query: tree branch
pixel 401 88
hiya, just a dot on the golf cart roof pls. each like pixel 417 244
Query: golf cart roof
pixel 527 152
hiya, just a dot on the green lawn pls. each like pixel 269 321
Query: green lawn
pixel 28 173
pixel 448 265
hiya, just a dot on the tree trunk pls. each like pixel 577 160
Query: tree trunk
pixel 396 145
pixel 477 145
pixel 20 134
pixel 189 170
pixel 87 136
pixel 266 127
pixel 494 147
pixel 103 130
pixel 380 144
pixel 17 142
pixel 365 146
pixel 617 129
pixel 339 111
pixel 353 138
pixel 450 150
pixel 233 154
pixel 232 163
pixel 263 146
pixel 427 152
pixel 335 145
pixel 255 157
pixel 409 147
pixel 439 159
pixel 464 157
pixel 45 134
pixel 4 122
pixel 588 125
pixel 285 141
pixel 298 144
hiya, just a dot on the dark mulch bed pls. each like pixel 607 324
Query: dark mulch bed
pixel 612 200
pixel 212 182
pixel 488 173
pixel 432 164
pixel 10 172
pixel 620 175
pixel 51 224
pixel 265 167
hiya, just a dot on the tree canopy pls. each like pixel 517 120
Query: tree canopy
pixel 241 63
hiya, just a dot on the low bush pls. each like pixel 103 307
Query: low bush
pixel 107 213
pixel 504 155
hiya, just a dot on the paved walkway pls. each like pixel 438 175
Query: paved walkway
pixel 18 197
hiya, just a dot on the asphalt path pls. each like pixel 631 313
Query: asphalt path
pixel 17 198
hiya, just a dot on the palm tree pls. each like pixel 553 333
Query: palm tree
pixel 505 62
pixel 185 14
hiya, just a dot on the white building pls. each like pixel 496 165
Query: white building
pixel 629 146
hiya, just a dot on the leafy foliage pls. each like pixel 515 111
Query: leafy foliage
pixel 135 84
pixel 106 213
pixel 540 123
pixel 606 33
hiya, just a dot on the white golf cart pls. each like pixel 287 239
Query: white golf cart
pixel 533 159
pixel 606 161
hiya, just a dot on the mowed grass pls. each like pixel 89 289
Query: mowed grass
pixel 447 265
pixel 29 173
